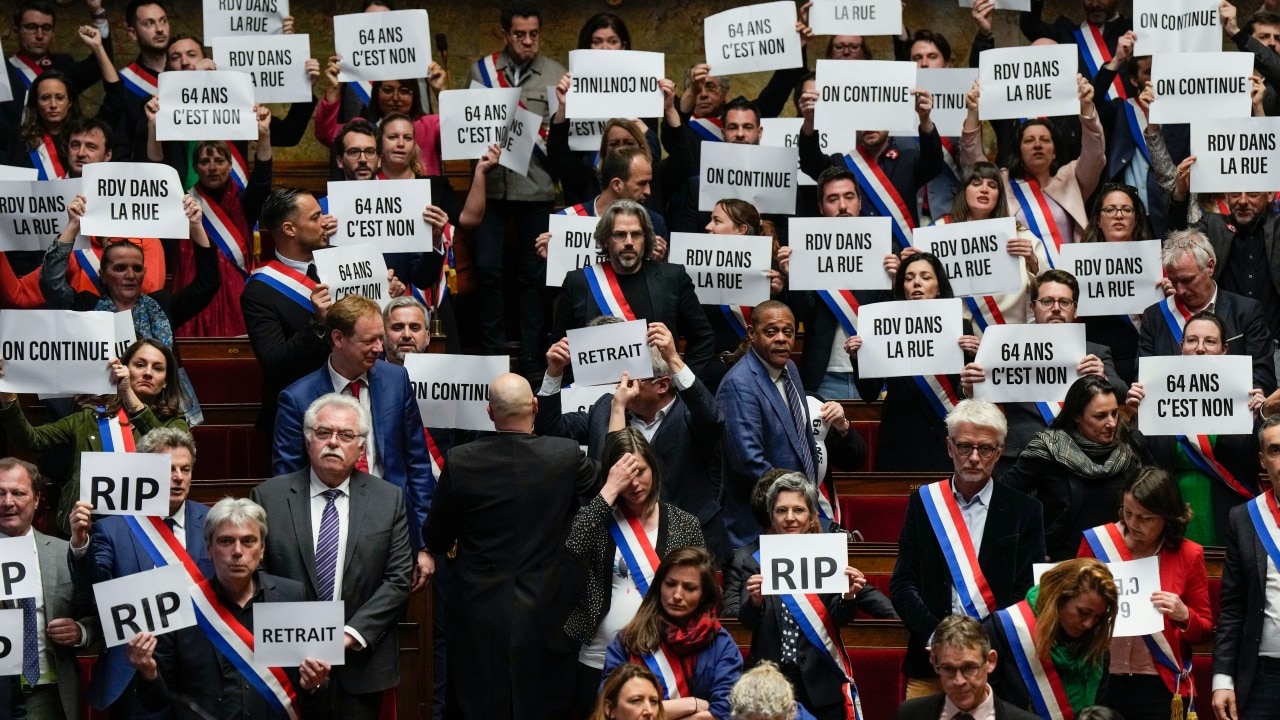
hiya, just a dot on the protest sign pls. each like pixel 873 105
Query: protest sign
pixel 804 564
pixel 24 174
pixel 382 45
pixel 517 146
pixel 472 120
pixel 601 354
pixel 354 270
pixel 785 132
pixel 11 642
pixel 387 213
pixel 1023 5
pixel 224 18
pixel 614 83
pixel 856 17
pixel 287 633
pixel 1176 26
pixel 948 86
pixel 975 255
pixel 1029 363
pixel 1235 155
pixel 453 390
pixel 751 38
pixel 125 483
pixel 839 253
pixel 726 269
pixel 585 135
pixel 1199 86
pixel 1116 278
pixel 866 95
pixel 581 399
pixel 910 337
pixel 279 73
pixel 572 246
pixel 126 335
pixel 19 567
pixel 1024 82
pixel 1135 581
pixel 157 601
pixel 127 199
pixel 212 105
pixel 32 212
pixel 1195 395
pixel 763 176
pixel 59 352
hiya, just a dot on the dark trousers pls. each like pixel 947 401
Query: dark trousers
pixel 1263 702
pixel 834 711
pixel 526 220
pixel 1140 697
pixel 331 702
pixel 586 687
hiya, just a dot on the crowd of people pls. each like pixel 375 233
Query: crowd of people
pixel 579 560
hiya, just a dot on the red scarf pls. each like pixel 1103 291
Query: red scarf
pixel 683 643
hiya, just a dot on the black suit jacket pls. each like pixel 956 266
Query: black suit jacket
pixel 1012 539
pixel 1247 334
pixel 930 708
pixel 820 331
pixel 1240 617
pixel 285 340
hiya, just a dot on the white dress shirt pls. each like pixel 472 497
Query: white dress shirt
pixel 342 504
pixel 1270 644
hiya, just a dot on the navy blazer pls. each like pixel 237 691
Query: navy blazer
pixel 397 432
pixel 1247 334
pixel 1244 600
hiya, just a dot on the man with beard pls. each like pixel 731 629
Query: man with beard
pixel 147 22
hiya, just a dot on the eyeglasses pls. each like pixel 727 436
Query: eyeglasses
pixel 966 449
pixel 357 153
pixel 846 47
pixel 35 28
pixel 1197 342
pixel 326 433
pixel 624 235
pixel 969 672
pixel 403 90
pixel 1121 210
pixel 1064 303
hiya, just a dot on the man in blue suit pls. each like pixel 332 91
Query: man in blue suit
pixel 108 549
pixel 396 450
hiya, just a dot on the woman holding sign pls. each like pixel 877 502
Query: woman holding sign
pixel 621 535
pixel 783 626
pixel 675 633
pixel 1147 671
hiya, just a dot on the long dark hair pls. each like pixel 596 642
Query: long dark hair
pixel 1079 395
pixel 981 170
pixel 1141 227
pixel 642 635
pixel 603 20
pixel 373 113
pixel 169 402
pixel 32 128
pixel 1154 490
pixel 1014 162
pixel 631 440
pixel 900 283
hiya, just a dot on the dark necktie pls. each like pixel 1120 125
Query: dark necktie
pixel 796 403
pixel 311 272
pixel 30 642
pixel 363 463
pixel 962 716
pixel 327 546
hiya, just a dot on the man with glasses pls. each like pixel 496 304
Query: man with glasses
pixel 967 542
pixel 34 23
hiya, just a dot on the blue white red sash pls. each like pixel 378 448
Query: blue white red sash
pixel 953 537
pixel 844 306
pixel 738 317
pixel 1265 515
pixel 90 262
pixel 939 392
pixel 442 282
pixel 1137 118
pixel 982 308
pixel 637 552
pixel 115 430
pixel 603 284
pixel 1043 684
pixel 363 90
pixel 492 77
pixel 434 454
pixel 1049 411
pixel 709 129
pixel 882 194
pixel 1200 450
pixel 44 158
pixel 239 170
pixel 580 210
pixel 1176 316
pixel 671 675
pixel 223 231
pixel 1096 54
pixel 949 158
pixel 288 282
pixel 1035 210
pixel 28 71
pixel 140 81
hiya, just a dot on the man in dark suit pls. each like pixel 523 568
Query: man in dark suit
pixel 395 449
pixel 1190 264
pixel 344 534
pixel 48 688
pixel 1099 15
pixel 963 656
pixel 108 549
pixel 506 501
pixel 653 291
pixel 34 23
pixel 1246 651
pixel 1005 527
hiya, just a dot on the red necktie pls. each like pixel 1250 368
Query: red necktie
pixel 363 463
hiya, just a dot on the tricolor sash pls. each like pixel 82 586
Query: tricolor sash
pixel 709 129
pixel 949 158
pixel 28 71
pixel 1041 678
pixel 1266 522
pixel 115 430
pixel 738 317
pixel 844 306
pixel 224 233
pixel 1200 450
pixel 1175 316
pixel 442 282
pixel 287 281
pixel 882 194
pixel 1137 117
pixel 637 552
pixel 492 77
pixel 603 284
pixel 947 522
pixel 675 684
pixel 90 263
pixel 1096 54
pixel 44 158
pixel 580 210
pixel 436 457
pixel 1049 411
pixel 939 392
pixel 363 90
pixel 239 170
pixel 1035 210
pixel 140 81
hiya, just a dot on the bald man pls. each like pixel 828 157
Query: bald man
pixel 507 501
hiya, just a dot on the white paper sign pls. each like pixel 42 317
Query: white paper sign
pixel 975 255
pixel 1023 5
pixel 59 352
pixel 517 147
pixel 212 105
pixel 901 338
pixel 1115 278
pixel 572 246
pixel 763 176
pixel 601 354
pixel 382 45
pixel 453 390
pixel 127 199
pixel 856 17
pixel 287 633
pixel 1195 395
pixel 126 483
pixel 581 399
pixel 1029 363
pixel 1176 26
pixel 866 95
pixel 33 213
pixel 25 174
pixel 244 17
pixel 278 72
pixel 785 132
pixel 19 567
pixel 752 38
pixel 157 601
pixel 585 135
pixel 726 269
pixel 11 642
pixel 472 120
pixel 1021 82
pixel 839 253
pixel 354 270
pixel 614 83
pixel 1236 155
pixel 387 213
pixel 1199 86
pixel 1039 569
pixel 949 86
pixel 1135 581
pixel 126 335
pixel 805 563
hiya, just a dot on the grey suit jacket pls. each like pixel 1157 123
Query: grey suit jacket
pixel 377 568
pixel 62 601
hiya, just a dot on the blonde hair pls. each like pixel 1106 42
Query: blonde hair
pixel 1068 580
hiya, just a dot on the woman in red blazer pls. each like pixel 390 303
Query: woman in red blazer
pixel 1145 672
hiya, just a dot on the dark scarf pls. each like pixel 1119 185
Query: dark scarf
pixel 1081 456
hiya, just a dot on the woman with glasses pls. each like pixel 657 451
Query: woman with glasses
pixel 1213 472
pixel 1118 215
pixel 1078 465
pixel 1147 671
pixel 620 535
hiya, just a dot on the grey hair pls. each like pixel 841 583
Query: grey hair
pixel 1269 421
pixel 980 413
pixel 337 400
pixel 167 438
pixel 234 511
pixel 961 631
pixel 402 302
pixel 1182 242
pixel 604 227
pixel 723 80
pixel 762 693
pixel 796 482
